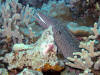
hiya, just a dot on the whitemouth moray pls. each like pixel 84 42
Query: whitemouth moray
pixel 65 41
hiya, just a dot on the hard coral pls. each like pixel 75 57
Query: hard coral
pixel 34 57
pixel 55 9
pixel 17 25
pixel 84 59
pixel 15 19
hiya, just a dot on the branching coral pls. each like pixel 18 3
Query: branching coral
pixel 95 32
pixel 16 20
pixel 17 25
pixel 83 60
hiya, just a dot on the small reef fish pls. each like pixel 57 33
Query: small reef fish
pixel 65 41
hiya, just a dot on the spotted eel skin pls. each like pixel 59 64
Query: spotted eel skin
pixel 65 41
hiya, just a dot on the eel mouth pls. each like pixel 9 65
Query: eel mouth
pixel 43 20
pixel 40 19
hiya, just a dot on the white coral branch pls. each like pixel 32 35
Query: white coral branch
pixel 84 61
pixel 95 31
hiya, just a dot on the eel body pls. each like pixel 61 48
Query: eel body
pixel 65 41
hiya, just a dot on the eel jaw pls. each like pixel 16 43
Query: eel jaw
pixel 43 20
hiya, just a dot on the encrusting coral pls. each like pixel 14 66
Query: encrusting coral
pixel 84 60
pixel 38 56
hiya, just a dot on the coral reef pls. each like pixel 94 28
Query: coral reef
pixel 86 10
pixel 36 55
pixel 18 32
pixel 84 59
pixel 57 9
pixel 17 19
pixel 62 36
pixel 26 49
pixel 53 8
pixel 16 25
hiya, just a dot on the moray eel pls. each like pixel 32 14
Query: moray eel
pixel 65 41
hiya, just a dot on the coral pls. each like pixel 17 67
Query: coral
pixel 34 57
pixel 97 6
pixel 22 47
pixel 67 72
pixel 29 72
pixel 98 22
pixel 76 29
pixel 89 7
pixel 83 60
pixel 18 47
pixel 3 71
pixel 95 31
pixel 56 9
pixel 33 3
pixel 17 25
pixel 97 64
pixel 15 19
